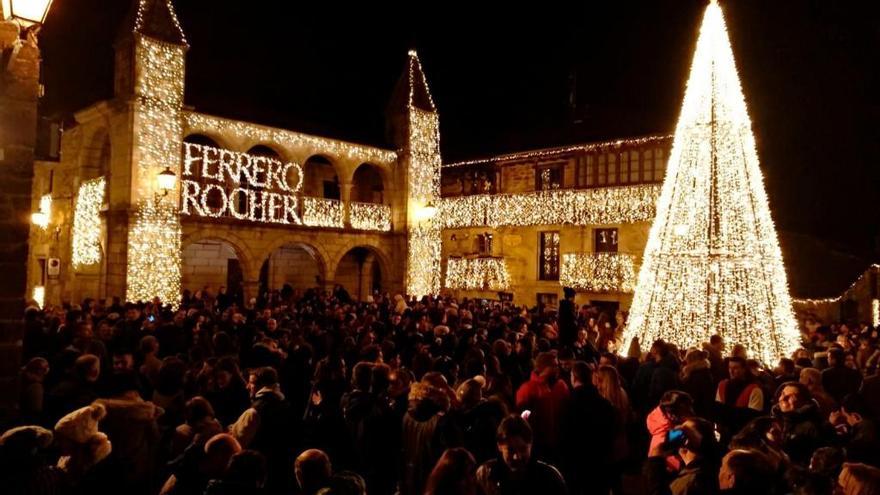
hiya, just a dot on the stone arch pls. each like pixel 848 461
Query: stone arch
pixel 242 251
pixel 369 184
pixel 350 271
pixel 214 261
pixel 322 176
pixel 206 138
pixel 270 276
pixel 95 159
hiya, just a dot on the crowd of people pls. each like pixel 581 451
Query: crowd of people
pixel 314 393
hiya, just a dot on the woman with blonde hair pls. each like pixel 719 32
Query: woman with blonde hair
pixel 607 381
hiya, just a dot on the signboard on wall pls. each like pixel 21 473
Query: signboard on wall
pixel 223 183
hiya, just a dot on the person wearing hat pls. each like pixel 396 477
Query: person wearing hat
pixel 567 319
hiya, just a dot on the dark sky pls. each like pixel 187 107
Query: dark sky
pixel 502 76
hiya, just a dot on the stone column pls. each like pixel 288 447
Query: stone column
pixel 19 92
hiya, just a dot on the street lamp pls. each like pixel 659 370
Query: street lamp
pixel 427 212
pixel 166 179
pixel 26 13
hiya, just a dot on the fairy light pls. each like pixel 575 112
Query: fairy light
pixel 322 212
pixel 86 243
pixel 43 215
pixel 154 238
pixel 628 204
pixel 481 273
pixel 875 312
pixel 39 295
pixel 598 272
pixel 422 157
pixel 831 300
pixel 712 263
pixel 198 123
pixel 565 150
pixel 155 243
pixel 370 216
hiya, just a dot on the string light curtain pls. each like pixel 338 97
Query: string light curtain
pixel 712 263
pixel 86 243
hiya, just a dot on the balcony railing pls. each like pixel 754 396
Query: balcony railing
pixel 598 272
pixel 369 216
pixel 323 212
pixel 477 273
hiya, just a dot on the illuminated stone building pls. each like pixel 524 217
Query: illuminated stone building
pixel 252 207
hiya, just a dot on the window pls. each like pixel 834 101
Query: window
pixel 648 166
pixel 548 177
pixel 612 168
pixel 633 166
pixel 331 189
pixel 659 164
pixel 624 167
pixel 549 256
pixel 605 240
pixel 602 171
pixel 484 243
pixel 590 162
pixel 547 300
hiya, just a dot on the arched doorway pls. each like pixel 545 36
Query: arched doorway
pixel 361 272
pixel 296 265
pixel 321 180
pixel 368 185
pixel 210 264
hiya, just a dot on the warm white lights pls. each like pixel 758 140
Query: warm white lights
pixel 39 295
pixel 154 242
pixel 166 180
pixel 323 212
pixel 154 234
pixel 26 12
pixel 423 186
pixel 369 216
pixel 480 273
pixel 598 272
pixel 609 205
pixel 43 216
pixel 875 312
pixel 712 263
pixel 87 223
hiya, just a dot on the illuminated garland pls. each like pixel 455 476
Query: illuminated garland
pixel 202 123
pixel 322 212
pixel 45 217
pixel 370 216
pixel 598 272
pixel 422 157
pixel 875 312
pixel 568 206
pixel 86 244
pixel 712 263
pixel 564 150
pixel 155 243
pixel 39 295
pixel 831 300
pixel 482 273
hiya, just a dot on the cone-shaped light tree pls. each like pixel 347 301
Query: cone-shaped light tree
pixel 712 263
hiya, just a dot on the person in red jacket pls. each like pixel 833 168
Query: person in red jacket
pixel 541 401
pixel 740 397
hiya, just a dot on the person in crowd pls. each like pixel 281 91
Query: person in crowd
pixel 517 471
pixel 567 318
pixel 132 426
pixel 740 397
pixel 228 394
pixel 746 472
pixel 32 392
pixel 675 408
pixel 812 379
pixel 76 389
pixel 588 420
pixel 696 379
pixel 544 396
pixel 200 463
pixel 267 426
pixel 695 444
pixel 859 479
pixel 838 379
pixel 857 432
pixel 454 474
pixel 245 475
pixel 803 429
pixel 313 471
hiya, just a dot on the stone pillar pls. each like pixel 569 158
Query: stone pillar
pixel 19 92
pixel 345 197
pixel 250 289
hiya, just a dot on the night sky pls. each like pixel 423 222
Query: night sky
pixel 503 78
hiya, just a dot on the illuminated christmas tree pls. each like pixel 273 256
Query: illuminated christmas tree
pixel 712 263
